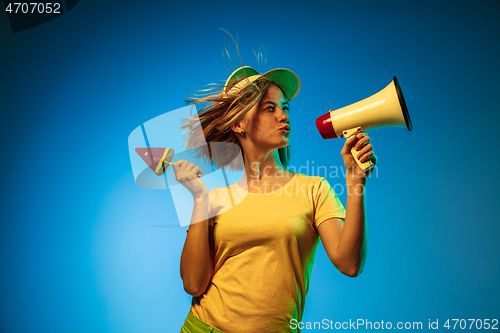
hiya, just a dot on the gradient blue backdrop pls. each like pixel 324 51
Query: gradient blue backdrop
pixel 77 253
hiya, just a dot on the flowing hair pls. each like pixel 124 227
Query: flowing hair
pixel 217 117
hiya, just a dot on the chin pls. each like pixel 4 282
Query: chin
pixel 285 143
pixel 282 142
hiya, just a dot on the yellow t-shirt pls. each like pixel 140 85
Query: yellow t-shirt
pixel 264 253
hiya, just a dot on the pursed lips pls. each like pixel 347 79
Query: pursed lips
pixel 285 128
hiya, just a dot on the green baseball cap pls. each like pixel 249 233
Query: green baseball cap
pixel 287 80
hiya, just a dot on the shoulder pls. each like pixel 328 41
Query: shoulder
pixel 313 180
pixel 218 197
pixel 222 199
pixel 317 188
pixel 217 192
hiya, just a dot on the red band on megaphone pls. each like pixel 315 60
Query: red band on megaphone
pixel 325 126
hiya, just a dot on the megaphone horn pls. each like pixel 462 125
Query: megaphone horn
pixel 385 108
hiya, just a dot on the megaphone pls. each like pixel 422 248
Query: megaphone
pixel 385 108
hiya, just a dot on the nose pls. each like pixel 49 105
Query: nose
pixel 282 115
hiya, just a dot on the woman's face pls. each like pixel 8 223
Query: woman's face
pixel 267 124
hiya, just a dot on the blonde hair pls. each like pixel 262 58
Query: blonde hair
pixel 217 117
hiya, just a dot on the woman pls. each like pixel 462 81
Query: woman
pixel 247 265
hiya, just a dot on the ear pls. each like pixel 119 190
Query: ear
pixel 238 127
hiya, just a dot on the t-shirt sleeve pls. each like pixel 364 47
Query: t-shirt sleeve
pixel 327 204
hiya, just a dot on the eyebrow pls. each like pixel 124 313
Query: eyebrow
pixel 269 102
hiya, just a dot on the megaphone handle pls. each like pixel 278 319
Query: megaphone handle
pixel 347 135
pixel 363 165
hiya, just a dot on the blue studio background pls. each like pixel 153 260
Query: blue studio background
pixel 78 252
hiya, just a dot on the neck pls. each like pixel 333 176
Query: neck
pixel 262 167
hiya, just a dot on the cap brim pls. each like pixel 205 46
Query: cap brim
pixel 238 75
pixel 286 79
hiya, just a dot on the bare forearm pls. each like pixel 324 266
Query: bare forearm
pixel 354 239
pixel 196 261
